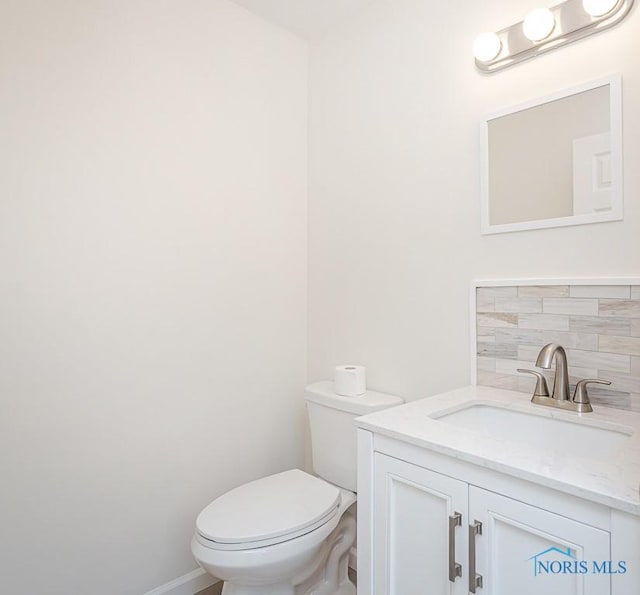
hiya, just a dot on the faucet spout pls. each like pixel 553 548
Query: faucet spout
pixel 545 359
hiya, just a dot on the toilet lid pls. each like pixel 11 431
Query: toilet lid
pixel 267 508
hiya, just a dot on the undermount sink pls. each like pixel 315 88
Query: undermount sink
pixel 544 432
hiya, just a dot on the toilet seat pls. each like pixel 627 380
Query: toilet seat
pixel 268 511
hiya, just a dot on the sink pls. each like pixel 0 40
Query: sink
pixel 545 432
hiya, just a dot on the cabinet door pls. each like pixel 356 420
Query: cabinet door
pixel 526 550
pixel 412 508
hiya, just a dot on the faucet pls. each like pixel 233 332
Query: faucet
pixel 561 382
pixel 560 397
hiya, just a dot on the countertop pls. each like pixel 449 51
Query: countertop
pixel 613 481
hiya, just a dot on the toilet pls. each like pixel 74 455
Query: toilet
pixel 291 533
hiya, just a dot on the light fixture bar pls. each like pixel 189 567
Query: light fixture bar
pixel 572 22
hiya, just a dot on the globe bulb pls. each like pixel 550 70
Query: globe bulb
pixel 538 24
pixel 598 8
pixel 486 47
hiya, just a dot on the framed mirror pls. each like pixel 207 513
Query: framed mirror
pixel 554 161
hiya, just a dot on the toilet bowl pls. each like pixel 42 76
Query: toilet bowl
pixel 273 535
pixel 291 533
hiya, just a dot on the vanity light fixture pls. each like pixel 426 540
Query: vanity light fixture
pixel 545 29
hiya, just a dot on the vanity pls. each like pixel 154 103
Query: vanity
pixel 479 490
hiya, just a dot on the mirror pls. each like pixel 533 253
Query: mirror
pixel 554 161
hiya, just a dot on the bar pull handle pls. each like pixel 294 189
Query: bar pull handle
pixel 475 580
pixel 455 569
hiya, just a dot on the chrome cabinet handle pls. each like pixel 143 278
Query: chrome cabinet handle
pixel 455 569
pixel 475 580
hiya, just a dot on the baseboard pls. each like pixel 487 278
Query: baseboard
pixel 197 580
pixel 185 585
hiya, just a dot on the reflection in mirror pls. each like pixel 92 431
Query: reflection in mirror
pixel 554 161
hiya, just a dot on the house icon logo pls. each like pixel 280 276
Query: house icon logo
pixel 542 562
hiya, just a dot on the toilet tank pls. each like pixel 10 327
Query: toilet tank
pixel 333 433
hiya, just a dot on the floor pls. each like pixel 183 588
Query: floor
pixel 212 590
pixel 217 589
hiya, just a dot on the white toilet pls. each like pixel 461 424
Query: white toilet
pixel 291 533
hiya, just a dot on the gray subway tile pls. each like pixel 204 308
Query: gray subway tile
pixel 635 292
pixel 523 305
pixel 571 306
pixel 498 350
pixel 623 345
pixel 487 292
pixel 621 382
pixel 487 364
pixel 544 322
pixel 600 361
pixel 520 336
pixel 630 308
pixel 601 291
pixel 616 400
pixel 526 384
pixel 601 390
pixel 586 341
pixel 634 402
pixel 635 366
pixel 529 354
pixel 504 381
pixel 510 366
pixel 543 291
pixel 497 320
pixel 635 327
pixel 600 325
pixel 485 304
pixel 577 373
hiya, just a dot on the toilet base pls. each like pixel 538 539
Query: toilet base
pixel 333 577
pixel 327 575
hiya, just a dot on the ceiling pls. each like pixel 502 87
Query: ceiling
pixel 306 18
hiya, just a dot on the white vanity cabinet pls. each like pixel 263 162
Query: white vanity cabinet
pixel 438 507
pixel 432 532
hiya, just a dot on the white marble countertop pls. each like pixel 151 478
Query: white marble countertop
pixel 612 480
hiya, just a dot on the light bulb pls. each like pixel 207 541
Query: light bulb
pixel 486 47
pixel 538 24
pixel 598 8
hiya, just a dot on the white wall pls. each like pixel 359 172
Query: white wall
pixel 394 205
pixel 152 280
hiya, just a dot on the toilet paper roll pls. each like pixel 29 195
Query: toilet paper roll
pixel 350 381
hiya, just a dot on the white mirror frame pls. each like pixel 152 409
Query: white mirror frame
pixel 615 214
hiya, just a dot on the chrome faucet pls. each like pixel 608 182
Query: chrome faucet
pixel 560 396
pixel 561 382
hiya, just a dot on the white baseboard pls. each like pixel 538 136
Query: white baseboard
pixel 197 580
pixel 185 585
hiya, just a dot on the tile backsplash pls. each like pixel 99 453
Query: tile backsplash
pixel 599 326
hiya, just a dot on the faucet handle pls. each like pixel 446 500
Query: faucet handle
pixel 581 395
pixel 542 389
